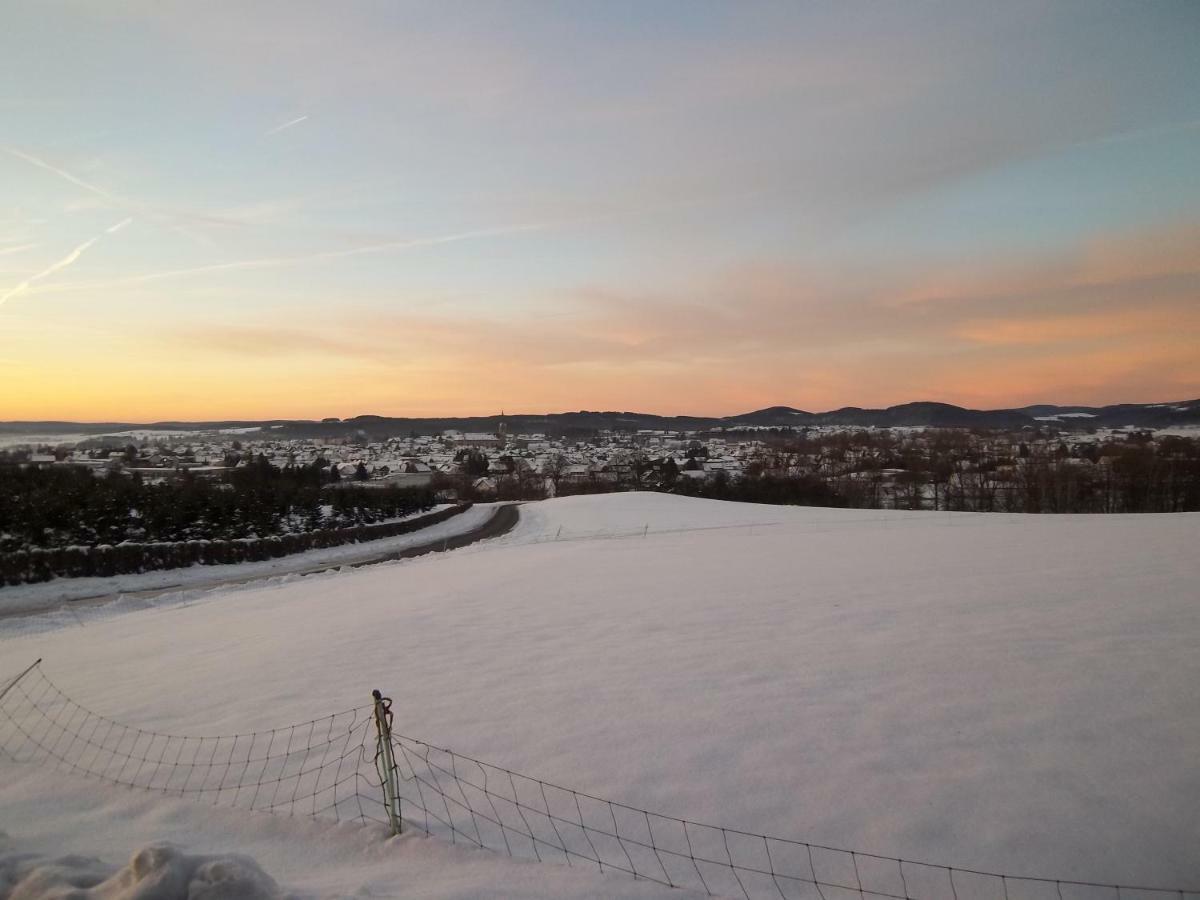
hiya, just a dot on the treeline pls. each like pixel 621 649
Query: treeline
pixel 68 506
pixel 42 564
pixel 789 490
pixel 986 472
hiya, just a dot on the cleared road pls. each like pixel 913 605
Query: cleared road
pixel 502 520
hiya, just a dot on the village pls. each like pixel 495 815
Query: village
pixel 490 460
pixel 909 468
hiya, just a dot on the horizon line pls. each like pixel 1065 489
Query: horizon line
pixel 1193 403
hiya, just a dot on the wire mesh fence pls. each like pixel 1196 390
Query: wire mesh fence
pixel 312 768
pixel 471 802
pixel 352 766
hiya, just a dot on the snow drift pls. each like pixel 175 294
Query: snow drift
pixel 156 872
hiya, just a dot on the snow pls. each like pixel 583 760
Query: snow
pixel 1003 692
pixel 606 516
pixel 25 598
pixel 14 441
pixel 1186 431
pixel 159 871
pixel 1066 415
pixel 303 858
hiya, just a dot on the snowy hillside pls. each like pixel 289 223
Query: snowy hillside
pixel 1000 692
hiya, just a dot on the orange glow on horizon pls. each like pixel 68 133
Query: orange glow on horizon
pixel 1124 329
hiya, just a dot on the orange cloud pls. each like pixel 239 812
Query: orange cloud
pixel 1083 327
pixel 1115 321
pixel 1155 256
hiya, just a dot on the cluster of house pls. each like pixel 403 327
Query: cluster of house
pixel 489 459
pixel 610 458
pixel 414 461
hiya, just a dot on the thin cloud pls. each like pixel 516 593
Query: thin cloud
pixel 1121 137
pixel 67 260
pixel 273 262
pixel 20 248
pixel 117 200
pixel 286 125
pixel 67 176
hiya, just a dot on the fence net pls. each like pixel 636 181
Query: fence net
pixel 468 801
pixel 336 767
pixel 312 768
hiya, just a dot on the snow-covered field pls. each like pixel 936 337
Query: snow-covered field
pixel 1004 692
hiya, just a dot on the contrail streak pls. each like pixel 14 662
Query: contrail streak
pixel 129 205
pixel 1138 134
pixel 4 251
pixel 62 173
pixel 272 262
pixel 286 125
pixel 67 260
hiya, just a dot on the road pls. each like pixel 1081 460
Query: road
pixel 503 519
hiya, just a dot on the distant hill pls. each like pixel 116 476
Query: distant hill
pixel 945 415
pixel 937 415
pixel 940 415
pixel 1138 415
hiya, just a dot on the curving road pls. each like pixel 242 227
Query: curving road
pixel 502 520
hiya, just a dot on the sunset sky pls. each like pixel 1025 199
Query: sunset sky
pixel 281 209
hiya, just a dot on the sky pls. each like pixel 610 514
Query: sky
pixel 225 210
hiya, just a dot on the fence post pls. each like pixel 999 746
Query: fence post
pixel 385 762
